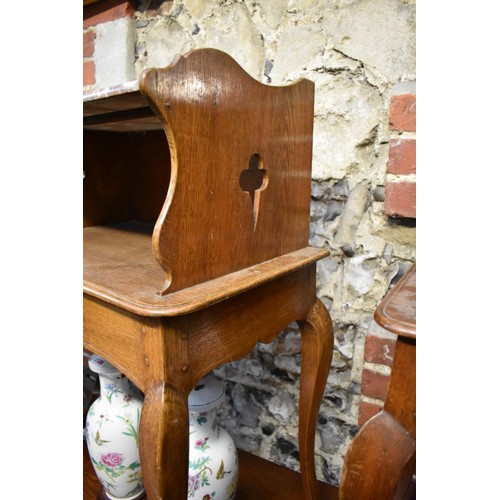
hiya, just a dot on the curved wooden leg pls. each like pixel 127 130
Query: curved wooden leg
pixel 317 350
pixel 164 443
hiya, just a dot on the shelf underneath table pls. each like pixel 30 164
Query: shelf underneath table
pixel 258 479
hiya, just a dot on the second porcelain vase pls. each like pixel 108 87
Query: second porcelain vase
pixel 213 458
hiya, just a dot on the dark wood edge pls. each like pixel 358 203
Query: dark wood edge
pixel 205 294
pixel 118 116
pixel 384 318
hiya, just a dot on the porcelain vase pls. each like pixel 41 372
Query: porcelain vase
pixel 112 433
pixel 213 459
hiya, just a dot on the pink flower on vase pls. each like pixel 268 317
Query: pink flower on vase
pixel 112 459
pixel 199 443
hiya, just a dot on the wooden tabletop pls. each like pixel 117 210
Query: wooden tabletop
pixel 119 267
pixel 397 311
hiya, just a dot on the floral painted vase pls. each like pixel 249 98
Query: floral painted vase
pixel 112 433
pixel 213 459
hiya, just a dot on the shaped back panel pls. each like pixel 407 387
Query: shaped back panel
pixel 241 152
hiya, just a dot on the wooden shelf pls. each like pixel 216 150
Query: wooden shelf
pixel 258 480
pixel 398 310
pixel 119 266
pixel 121 108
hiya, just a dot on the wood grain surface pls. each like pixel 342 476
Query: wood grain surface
pixel 217 118
pixel 381 459
pixel 196 252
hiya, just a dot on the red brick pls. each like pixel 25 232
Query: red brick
pixel 374 385
pixel 88 73
pixel 401 199
pixel 379 350
pixel 106 10
pixel 403 113
pixel 88 43
pixel 402 157
pixel 367 411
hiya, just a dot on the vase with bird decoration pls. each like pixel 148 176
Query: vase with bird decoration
pixel 213 458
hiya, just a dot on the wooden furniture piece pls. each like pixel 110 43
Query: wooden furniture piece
pixel 380 461
pixel 196 226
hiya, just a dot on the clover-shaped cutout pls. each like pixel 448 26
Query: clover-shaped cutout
pixel 253 181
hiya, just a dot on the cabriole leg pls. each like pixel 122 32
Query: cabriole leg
pixel 317 349
pixel 164 443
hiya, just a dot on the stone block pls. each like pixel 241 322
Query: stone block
pixel 351 216
pixel 164 39
pixel 232 31
pixel 348 110
pixel 114 52
pixel 379 33
pixel 298 46
pixel 272 11
pixel 196 8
